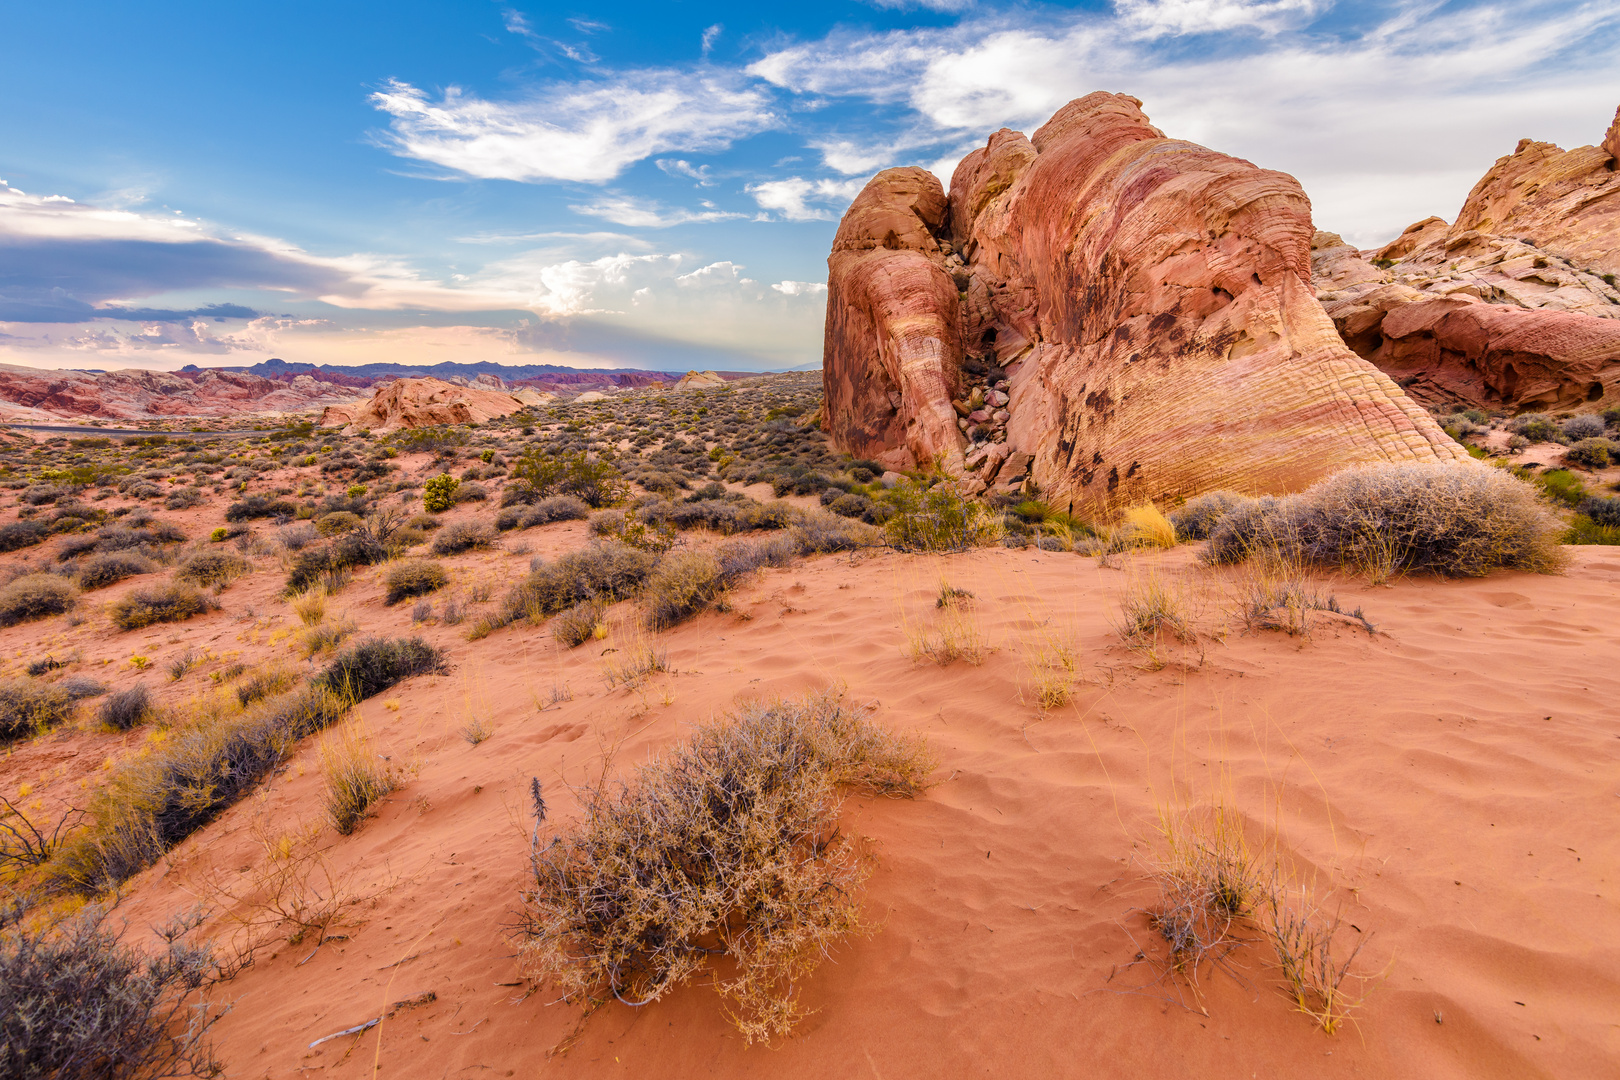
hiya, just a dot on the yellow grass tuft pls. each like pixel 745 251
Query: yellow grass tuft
pixel 1147 525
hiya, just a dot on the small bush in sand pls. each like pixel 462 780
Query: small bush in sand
pixel 577 625
pixel 310 608
pixel 212 568
pixel 317 565
pixel 1605 512
pixel 264 684
pixel 477 730
pixel 1152 611
pixel 126 708
pixel 77 1004
pixel 1197 517
pixel 213 756
pixel 439 494
pixel 35 596
pixel 414 578
pixel 461 536
pixel 170 602
pixel 682 585
pixel 952 634
pixel 21 534
pixel 337 523
pixel 28 707
pixel 354 780
pixel 727 844
pixel 605 571
pixel 1585 426
pixel 1148 526
pixel 1592 453
pixel 99 571
pixel 376 664
pixel 819 532
pixel 939 519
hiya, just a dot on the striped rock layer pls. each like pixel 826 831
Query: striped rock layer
pixel 1150 301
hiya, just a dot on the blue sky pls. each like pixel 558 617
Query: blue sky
pixel 656 185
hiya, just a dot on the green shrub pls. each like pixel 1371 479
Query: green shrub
pixel 210 568
pixel 819 532
pixel 415 578
pixel 540 474
pixel 99 571
pixel 1602 511
pixel 1536 427
pixel 439 493
pixel 35 596
pixel 170 602
pixel 28 707
pixel 1592 453
pixel 339 521
pixel 375 664
pixel 605 571
pixel 1559 484
pixel 78 1004
pixel 938 518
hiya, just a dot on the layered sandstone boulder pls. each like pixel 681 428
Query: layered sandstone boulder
pixel 1138 310
pixel 415 403
pixel 1536 248
pixel 699 380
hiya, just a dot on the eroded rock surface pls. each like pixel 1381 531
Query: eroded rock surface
pixel 1146 302
pixel 1536 248
pixel 136 395
pixel 414 403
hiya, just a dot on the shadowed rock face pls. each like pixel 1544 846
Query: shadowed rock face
pixel 1149 301
pixel 1514 305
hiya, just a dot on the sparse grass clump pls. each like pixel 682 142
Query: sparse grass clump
pixel 28 707
pixel 35 596
pixel 728 843
pixel 577 625
pixel 107 568
pixel 77 1004
pixel 376 664
pixel 169 602
pixel 264 684
pixel 414 578
pixel 126 708
pixel 212 569
pixel 1147 525
pixel 354 780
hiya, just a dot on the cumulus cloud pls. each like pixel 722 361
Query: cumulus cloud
pixel 1157 18
pixel 589 132
pixel 792 198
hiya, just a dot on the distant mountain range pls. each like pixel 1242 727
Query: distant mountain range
pixel 538 376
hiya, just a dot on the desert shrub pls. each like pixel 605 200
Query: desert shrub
pixel 460 536
pixel 1536 427
pixel 258 506
pixel 1444 519
pixel 183 498
pixel 577 625
pixel 740 558
pixel 34 596
pixel 99 571
pixel 357 548
pixel 153 801
pixel 938 518
pixel 1197 517
pixel 296 537
pixel 1605 512
pixel 339 521
pixel 169 602
pixel 471 491
pixel 1592 453
pixel 727 843
pixel 28 707
pixel 375 664
pixel 132 535
pixel 264 684
pixel 605 571
pixel 75 546
pixel 1586 426
pixel 682 585
pixel 820 532
pixel 414 578
pixel 77 1004
pixel 212 568
pixel 354 780
pixel 40 494
pixel 1560 485
pixel 849 504
pixel 21 534
pixel 126 708
pixel 439 493
pixel 595 482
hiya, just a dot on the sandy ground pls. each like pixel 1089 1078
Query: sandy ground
pixel 1453 779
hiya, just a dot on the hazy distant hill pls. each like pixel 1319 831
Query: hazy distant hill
pixel 539 376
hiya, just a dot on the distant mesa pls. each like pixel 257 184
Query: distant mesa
pixel 1512 306
pixel 31 395
pixel 416 403
pixel 699 380
pixel 1114 314
pixel 553 378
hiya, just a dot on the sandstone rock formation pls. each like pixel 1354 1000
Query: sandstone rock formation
pixel 1125 315
pixel 698 380
pixel 414 403
pixel 31 395
pixel 1535 248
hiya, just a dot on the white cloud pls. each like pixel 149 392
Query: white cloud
pixel 710 36
pixel 800 288
pixel 791 198
pixel 649 214
pixel 677 167
pixel 590 131
pixel 1156 18
pixel 946 6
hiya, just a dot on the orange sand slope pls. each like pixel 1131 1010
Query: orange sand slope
pixel 1456 775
